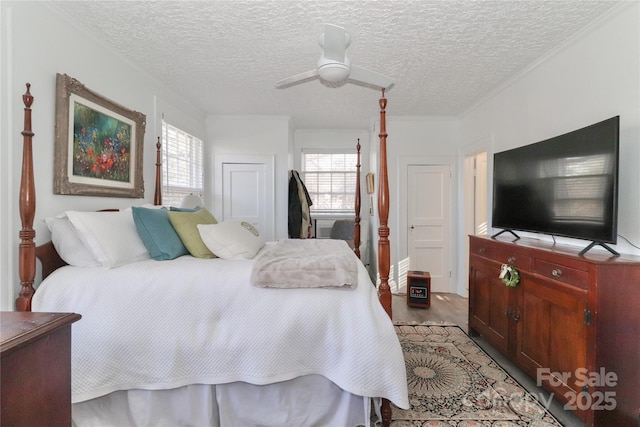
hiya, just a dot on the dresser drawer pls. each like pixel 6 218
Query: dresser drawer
pixel 518 260
pixel 562 273
pixel 482 248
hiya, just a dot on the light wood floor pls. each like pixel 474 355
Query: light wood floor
pixel 450 308
pixel 453 308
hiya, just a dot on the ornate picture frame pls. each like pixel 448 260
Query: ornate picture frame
pixel 98 144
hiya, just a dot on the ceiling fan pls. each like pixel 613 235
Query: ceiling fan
pixel 334 67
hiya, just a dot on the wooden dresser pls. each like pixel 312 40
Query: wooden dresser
pixel 572 322
pixel 36 368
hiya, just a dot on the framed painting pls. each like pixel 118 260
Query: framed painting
pixel 98 144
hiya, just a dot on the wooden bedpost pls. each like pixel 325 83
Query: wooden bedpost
pixel 27 249
pixel 356 228
pixel 384 254
pixel 157 195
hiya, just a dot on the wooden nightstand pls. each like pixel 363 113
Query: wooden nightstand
pixel 36 368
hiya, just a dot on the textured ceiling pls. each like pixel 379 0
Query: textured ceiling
pixel 225 56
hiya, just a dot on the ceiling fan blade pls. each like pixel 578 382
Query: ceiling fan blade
pixel 334 43
pixel 370 78
pixel 297 79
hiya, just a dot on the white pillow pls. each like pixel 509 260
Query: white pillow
pixel 111 237
pixel 68 244
pixel 235 239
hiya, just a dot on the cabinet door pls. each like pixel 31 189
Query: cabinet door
pixel 552 335
pixel 489 303
pixel 478 296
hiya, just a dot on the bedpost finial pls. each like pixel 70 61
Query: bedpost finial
pixel 27 98
pixel 383 101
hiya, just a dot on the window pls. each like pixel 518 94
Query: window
pixel 182 159
pixel 330 178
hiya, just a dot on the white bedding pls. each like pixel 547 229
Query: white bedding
pixel 311 400
pixel 165 324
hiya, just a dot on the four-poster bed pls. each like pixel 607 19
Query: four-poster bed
pixel 342 346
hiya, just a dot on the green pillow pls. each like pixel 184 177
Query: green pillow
pixel 157 233
pixel 177 209
pixel 185 224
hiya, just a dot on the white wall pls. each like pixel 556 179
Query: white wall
pixel 591 78
pixel 37 43
pixel 252 135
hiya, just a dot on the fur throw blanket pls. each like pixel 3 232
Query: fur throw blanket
pixel 306 263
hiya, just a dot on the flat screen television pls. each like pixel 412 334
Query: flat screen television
pixel 563 186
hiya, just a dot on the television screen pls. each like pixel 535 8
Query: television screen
pixel 564 186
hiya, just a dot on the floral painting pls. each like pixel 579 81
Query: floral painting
pixel 98 144
pixel 101 145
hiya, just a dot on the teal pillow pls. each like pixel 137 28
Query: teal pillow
pixel 157 233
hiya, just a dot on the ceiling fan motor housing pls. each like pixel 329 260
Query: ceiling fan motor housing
pixel 334 71
pixel 334 68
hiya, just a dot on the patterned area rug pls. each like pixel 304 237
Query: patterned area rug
pixel 453 382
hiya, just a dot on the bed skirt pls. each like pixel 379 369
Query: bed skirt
pixel 305 401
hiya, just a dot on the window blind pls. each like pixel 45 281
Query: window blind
pixel 182 160
pixel 330 178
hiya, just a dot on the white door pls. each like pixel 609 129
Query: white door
pixel 245 190
pixel 429 222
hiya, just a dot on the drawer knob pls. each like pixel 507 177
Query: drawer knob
pixel 556 272
pixel 511 259
pixel 481 250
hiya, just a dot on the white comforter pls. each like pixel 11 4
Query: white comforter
pixel 164 324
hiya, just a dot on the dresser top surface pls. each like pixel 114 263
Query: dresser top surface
pixel 18 327
pixel 595 255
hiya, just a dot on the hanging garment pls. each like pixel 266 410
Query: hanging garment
pixel 295 209
pixel 299 207
pixel 305 201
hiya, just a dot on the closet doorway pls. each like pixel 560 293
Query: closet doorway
pixel 476 202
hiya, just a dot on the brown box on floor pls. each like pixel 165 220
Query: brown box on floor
pixel 418 289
